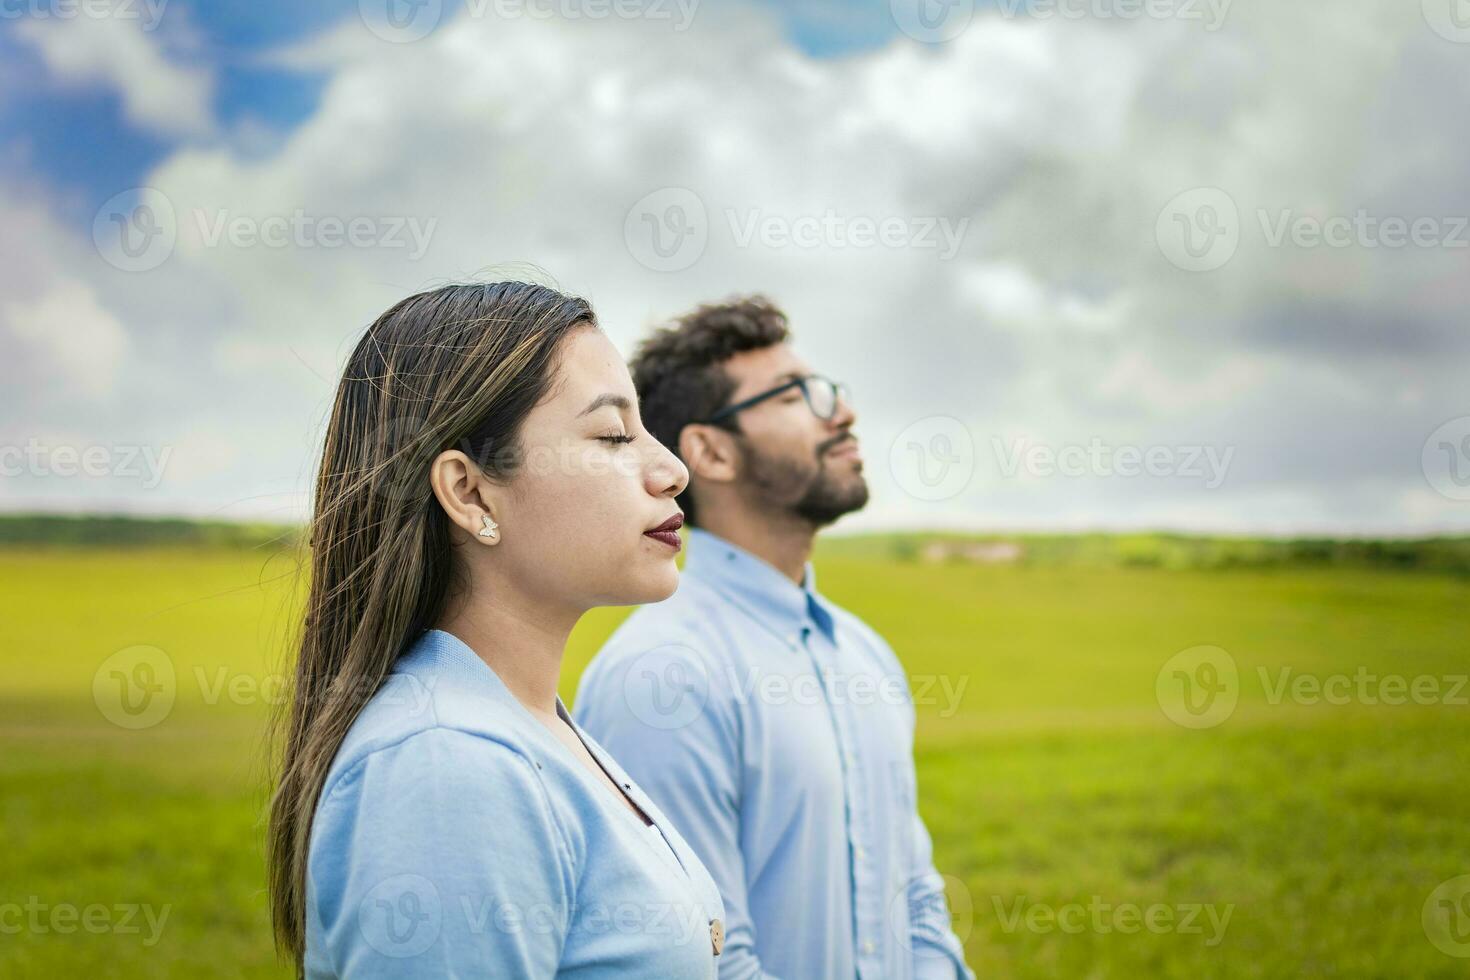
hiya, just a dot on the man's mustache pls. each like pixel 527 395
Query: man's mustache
pixel 830 444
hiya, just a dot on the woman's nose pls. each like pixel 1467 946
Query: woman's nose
pixel 668 476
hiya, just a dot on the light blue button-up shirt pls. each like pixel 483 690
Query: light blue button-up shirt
pixel 776 730
pixel 457 837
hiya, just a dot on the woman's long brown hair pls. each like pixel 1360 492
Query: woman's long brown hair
pixel 456 367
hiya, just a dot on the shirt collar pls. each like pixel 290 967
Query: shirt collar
pixel 438 653
pixel 760 586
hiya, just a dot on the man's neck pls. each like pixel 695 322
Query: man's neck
pixel 784 542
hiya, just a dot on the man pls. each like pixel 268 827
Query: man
pixel 773 727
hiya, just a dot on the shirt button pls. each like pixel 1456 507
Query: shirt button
pixel 867 946
pixel 861 854
pixel 717 935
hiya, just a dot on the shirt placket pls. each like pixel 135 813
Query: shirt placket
pixel 867 923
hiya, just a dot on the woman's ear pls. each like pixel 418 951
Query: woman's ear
pixel 467 495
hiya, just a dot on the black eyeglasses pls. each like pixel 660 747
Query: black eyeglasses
pixel 822 395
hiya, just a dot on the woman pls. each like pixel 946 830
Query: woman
pixel 485 480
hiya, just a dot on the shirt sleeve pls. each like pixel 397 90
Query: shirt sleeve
pixel 659 713
pixel 937 953
pixel 439 856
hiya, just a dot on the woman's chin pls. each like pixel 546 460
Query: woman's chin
pixel 655 585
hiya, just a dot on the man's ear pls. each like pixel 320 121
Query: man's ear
pixel 466 494
pixel 710 453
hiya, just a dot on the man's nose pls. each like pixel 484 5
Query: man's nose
pixel 844 415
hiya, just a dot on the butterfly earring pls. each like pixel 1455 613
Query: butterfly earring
pixel 491 529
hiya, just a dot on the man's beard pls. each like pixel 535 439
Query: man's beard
pixel 825 498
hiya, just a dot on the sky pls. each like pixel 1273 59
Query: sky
pixel 1179 264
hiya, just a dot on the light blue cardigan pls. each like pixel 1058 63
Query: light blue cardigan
pixel 457 837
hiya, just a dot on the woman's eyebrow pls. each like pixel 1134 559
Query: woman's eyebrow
pixel 618 401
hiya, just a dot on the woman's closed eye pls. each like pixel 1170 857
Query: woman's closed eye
pixel 619 438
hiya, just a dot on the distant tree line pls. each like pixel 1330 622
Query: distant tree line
pixel 1143 550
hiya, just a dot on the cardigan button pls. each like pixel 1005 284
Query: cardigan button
pixel 717 935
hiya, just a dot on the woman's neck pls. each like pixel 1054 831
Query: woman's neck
pixel 523 643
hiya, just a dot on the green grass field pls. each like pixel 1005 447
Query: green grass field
pixel 1065 806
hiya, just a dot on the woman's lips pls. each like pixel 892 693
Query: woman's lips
pixel 670 538
pixel 668 531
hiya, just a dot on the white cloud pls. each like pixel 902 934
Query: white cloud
pixel 1059 316
pixel 66 333
pixel 1007 294
pixel 125 55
